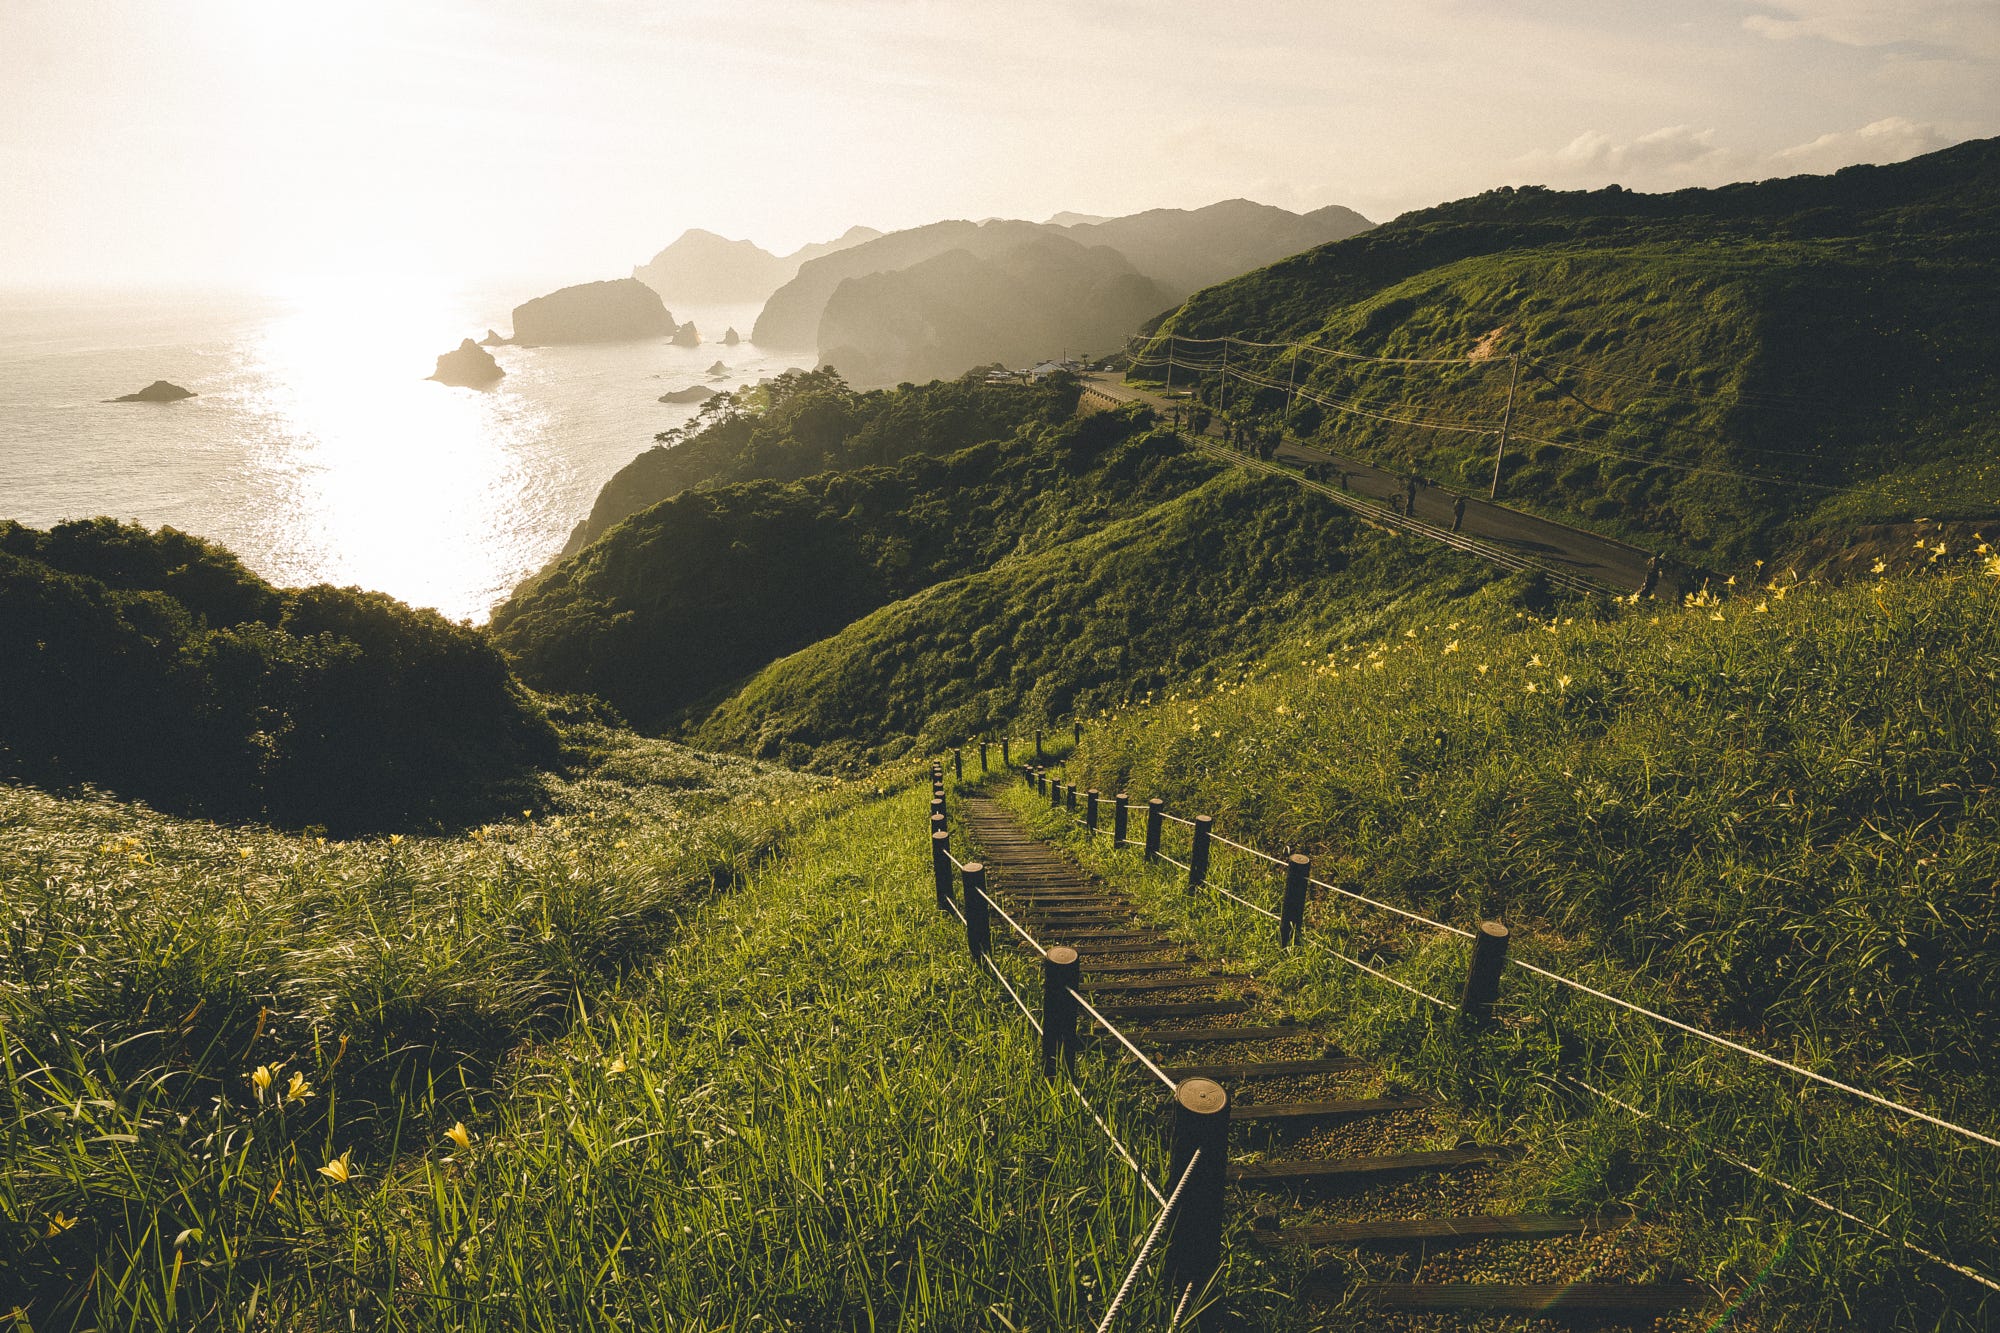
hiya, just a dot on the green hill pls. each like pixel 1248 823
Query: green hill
pixel 712 585
pixel 1722 371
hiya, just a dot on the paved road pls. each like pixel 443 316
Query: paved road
pixel 1600 560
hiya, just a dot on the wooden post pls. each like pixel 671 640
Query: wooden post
pixel 1069 797
pixel 937 807
pixel 1297 868
pixel 977 936
pixel 1156 816
pixel 1090 809
pixel 1194 1236
pixel 941 867
pixel 1079 732
pixel 1482 978
pixel 937 824
pixel 1198 858
pixel 1038 744
pixel 982 757
pixel 1060 973
pixel 1120 816
pixel 1055 795
pixel 1006 759
pixel 958 764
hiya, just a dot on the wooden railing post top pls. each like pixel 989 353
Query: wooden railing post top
pixel 1061 955
pixel 1204 819
pixel 1092 792
pixel 1299 859
pixel 1493 930
pixel 1201 1096
pixel 1157 802
pixel 974 868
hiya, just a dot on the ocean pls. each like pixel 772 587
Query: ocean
pixel 317 450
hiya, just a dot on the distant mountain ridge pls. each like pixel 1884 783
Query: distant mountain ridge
pixel 702 268
pixel 1182 249
pixel 880 332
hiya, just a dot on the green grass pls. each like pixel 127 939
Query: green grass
pixel 1722 372
pixel 1773 817
pixel 148 964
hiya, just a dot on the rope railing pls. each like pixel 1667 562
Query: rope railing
pixel 1785 1185
pixel 1689 1029
pixel 1123 1040
pixel 1146 1247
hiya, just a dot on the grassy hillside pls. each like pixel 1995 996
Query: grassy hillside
pixel 712 585
pixel 803 422
pixel 148 965
pixel 1774 816
pixel 1720 371
pixel 1175 593
pixel 796 1106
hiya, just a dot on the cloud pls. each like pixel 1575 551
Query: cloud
pixel 1890 140
pixel 1671 156
pixel 1965 28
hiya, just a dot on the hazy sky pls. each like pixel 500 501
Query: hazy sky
pixel 259 140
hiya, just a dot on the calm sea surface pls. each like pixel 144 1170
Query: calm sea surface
pixel 317 450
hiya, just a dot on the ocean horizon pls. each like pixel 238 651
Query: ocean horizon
pixel 317 450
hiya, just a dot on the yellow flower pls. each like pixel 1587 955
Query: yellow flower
pixel 1532 688
pixel 1451 647
pixel 1562 683
pixel 261 1076
pixel 59 1223
pixel 1482 668
pixel 339 1170
pixel 1729 582
pixel 395 839
pixel 527 814
pixel 243 853
pixel 619 843
pixel 298 1090
pixel 1536 660
pixel 1880 565
pixel 617 1066
pixel 460 1135
pixel 1761 606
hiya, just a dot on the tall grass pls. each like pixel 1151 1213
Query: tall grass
pixel 1772 815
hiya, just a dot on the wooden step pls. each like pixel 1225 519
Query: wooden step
pixel 1282 1112
pixel 1230 1072
pixel 1162 965
pixel 1183 1036
pixel 1439 1230
pixel 1139 1013
pixel 1182 982
pixel 1572 1298
pixel 1369 1168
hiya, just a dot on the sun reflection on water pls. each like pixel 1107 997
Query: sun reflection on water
pixel 374 475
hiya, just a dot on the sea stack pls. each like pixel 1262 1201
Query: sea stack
pixel 730 337
pixel 493 339
pixel 469 366
pixel 718 370
pixel 694 393
pixel 619 311
pixel 159 391
pixel 687 335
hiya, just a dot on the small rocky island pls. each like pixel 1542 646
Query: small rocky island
pixel 730 337
pixel 687 335
pixel 718 370
pixel 619 311
pixel 469 366
pixel 694 393
pixel 159 391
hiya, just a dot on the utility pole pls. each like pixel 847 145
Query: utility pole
pixel 1506 424
pixel 1225 376
pixel 1291 378
pixel 1170 365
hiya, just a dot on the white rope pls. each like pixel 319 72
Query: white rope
pixel 1033 943
pixel 1755 1054
pixel 1264 911
pixel 1137 1054
pixel 1146 1249
pixel 1790 1188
